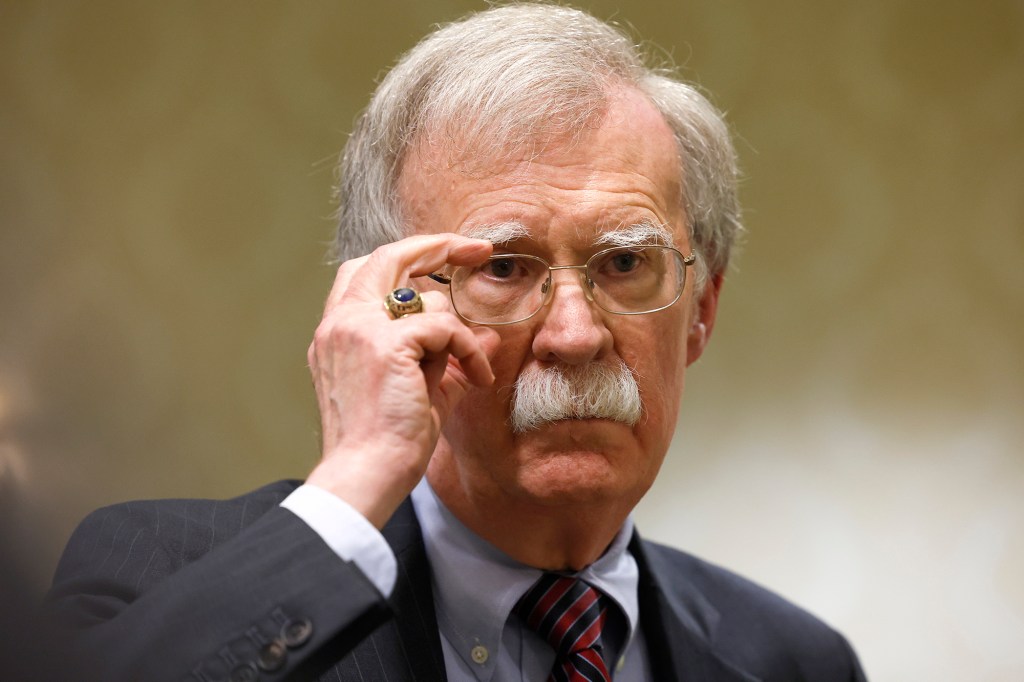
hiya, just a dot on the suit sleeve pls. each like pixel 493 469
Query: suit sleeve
pixel 148 591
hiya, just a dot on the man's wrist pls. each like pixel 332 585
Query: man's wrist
pixel 371 491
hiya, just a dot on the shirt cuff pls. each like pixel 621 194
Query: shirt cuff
pixel 347 532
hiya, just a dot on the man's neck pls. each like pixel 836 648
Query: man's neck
pixel 566 536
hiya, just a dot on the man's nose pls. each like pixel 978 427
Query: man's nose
pixel 571 328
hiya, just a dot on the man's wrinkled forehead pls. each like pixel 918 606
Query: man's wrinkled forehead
pixel 644 232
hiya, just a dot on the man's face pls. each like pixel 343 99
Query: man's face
pixel 623 172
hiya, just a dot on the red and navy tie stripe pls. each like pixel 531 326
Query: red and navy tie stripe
pixel 569 615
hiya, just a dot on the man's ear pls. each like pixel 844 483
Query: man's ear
pixel 703 319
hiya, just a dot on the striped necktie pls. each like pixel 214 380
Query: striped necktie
pixel 569 615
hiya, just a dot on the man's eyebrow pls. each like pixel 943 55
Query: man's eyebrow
pixel 498 233
pixel 643 233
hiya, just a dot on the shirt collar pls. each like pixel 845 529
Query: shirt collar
pixel 476 585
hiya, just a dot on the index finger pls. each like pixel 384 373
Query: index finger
pixel 393 264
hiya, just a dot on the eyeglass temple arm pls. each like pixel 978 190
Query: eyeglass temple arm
pixel 440 279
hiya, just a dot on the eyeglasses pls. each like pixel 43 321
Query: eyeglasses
pixel 513 287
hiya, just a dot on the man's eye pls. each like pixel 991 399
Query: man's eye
pixel 625 261
pixel 501 268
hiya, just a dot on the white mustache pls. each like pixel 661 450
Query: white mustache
pixel 594 391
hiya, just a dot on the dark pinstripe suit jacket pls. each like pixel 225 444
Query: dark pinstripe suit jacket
pixel 198 589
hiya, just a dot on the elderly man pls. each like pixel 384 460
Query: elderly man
pixel 548 223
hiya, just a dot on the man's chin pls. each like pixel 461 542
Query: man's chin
pixel 567 473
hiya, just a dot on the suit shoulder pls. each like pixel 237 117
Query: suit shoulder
pixel 247 507
pixel 756 628
pixel 725 590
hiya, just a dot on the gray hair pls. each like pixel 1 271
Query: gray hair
pixel 505 81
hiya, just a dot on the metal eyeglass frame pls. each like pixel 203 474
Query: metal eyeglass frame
pixel 588 284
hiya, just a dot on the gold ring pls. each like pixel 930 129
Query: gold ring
pixel 403 301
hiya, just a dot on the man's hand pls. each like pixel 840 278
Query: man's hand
pixel 384 386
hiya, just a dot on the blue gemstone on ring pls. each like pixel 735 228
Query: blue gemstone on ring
pixel 403 295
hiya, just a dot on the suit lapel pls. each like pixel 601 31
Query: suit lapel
pixel 408 647
pixel 678 626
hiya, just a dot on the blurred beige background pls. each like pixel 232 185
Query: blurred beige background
pixel 853 438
